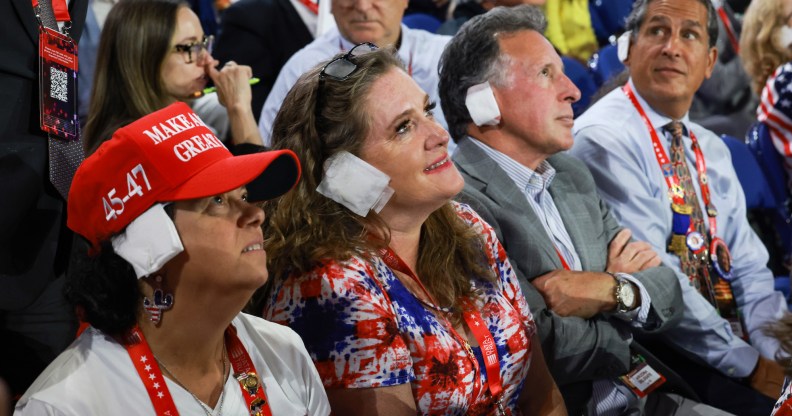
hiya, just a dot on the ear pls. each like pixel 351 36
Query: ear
pixel 482 105
pixel 712 57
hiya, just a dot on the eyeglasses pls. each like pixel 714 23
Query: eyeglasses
pixel 342 67
pixel 195 49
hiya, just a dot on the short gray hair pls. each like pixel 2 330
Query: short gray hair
pixel 638 14
pixel 473 56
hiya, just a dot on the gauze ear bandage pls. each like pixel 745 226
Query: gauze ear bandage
pixel 481 104
pixel 149 241
pixel 785 36
pixel 355 184
pixel 623 46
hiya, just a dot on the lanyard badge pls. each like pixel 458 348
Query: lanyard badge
pixel 642 379
pixel 58 84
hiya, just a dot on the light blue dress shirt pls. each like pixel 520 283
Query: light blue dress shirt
pixel 612 139
pixel 609 397
pixel 419 51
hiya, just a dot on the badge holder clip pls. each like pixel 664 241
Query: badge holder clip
pixel 58 84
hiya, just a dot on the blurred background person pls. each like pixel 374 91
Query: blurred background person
pixel 264 34
pixel 153 53
pixel 375 21
pixel 767 51
pixel 764 43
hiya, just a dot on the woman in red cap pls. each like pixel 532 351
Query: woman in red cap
pixel 176 252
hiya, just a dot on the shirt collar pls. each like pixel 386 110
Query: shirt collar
pixel 404 48
pixel 524 177
pixel 658 120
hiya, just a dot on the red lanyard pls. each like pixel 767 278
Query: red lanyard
pixel 312 6
pixel 472 318
pixel 149 372
pixel 560 257
pixel 409 64
pixel 59 7
pixel 151 375
pixel 670 176
pixel 729 29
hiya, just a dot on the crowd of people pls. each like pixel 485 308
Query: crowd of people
pixel 298 208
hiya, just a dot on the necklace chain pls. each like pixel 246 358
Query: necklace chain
pixel 208 410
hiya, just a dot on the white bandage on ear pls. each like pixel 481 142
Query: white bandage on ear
pixel 785 36
pixel 481 104
pixel 355 184
pixel 149 241
pixel 623 46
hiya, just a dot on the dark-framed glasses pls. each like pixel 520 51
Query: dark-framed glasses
pixel 342 67
pixel 195 50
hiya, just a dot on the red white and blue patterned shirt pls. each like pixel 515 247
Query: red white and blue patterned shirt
pixel 363 328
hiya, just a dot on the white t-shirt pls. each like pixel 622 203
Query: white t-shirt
pixel 95 376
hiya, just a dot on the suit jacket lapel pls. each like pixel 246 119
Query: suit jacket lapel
pixel 566 197
pixel 501 189
pixel 28 17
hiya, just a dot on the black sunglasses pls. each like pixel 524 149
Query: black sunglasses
pixel 342 67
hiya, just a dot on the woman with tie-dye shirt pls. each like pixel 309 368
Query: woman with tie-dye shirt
pixel 405 300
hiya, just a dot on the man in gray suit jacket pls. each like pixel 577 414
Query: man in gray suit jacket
pixel 589 287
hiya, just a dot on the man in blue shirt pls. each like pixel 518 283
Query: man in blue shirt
pixel 625 141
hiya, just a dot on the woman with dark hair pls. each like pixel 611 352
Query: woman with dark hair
pixel 153 53
pixel 405 300
pixel 176 252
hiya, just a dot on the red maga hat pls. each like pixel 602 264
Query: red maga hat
pixel 168 155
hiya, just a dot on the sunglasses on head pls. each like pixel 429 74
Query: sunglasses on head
pixel 342 67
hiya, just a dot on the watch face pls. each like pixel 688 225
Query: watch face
pixel 627 295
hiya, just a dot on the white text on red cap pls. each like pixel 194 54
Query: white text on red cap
pixel 195 145
pixel 173 126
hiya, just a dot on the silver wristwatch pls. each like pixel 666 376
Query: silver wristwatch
pixel 625 295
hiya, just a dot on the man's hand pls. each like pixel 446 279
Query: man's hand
pixel 630 257
pixel 767 378
pixel 581 294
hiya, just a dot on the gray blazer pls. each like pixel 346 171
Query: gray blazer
pixel 575 349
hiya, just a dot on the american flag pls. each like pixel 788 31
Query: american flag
pixel 775 110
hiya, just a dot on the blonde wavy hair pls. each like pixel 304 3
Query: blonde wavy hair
pixel 759 48
pixel 306 229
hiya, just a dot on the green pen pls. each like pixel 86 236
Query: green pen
pixel 209 90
